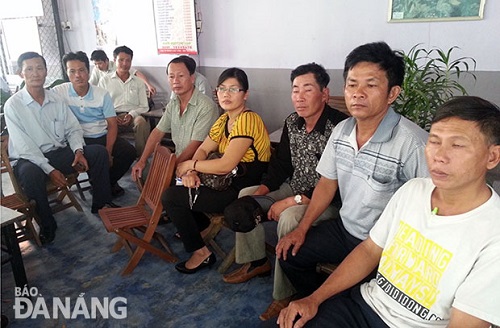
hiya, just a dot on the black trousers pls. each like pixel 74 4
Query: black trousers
pixel 34 181
pixel 123 153
pixel 189 222
pixel 328 242
pixel 347 309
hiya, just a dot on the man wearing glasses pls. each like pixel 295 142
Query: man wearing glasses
pixel 188 116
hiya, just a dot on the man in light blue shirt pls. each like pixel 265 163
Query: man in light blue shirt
pixel 94 109
pixel 47 141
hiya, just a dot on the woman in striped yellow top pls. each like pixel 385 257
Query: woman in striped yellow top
pixel 241 136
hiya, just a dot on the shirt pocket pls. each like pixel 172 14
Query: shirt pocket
pixel 133 96
pixel 380 190
pixel 58 129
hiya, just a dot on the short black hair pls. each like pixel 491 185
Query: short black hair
pixel 469 108
pixel 236 73
pixel 379 53
pixel 123 49
pixel 187 61
pixel 98 55
pixel 28 55
pixel 79 55
pixel 320 74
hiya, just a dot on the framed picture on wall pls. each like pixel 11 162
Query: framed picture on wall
pixel 435 10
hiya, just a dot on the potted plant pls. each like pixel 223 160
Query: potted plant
pixel 431 78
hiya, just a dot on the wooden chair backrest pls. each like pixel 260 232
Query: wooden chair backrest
pixel 159 176
pixel 338 102
pixel 6 166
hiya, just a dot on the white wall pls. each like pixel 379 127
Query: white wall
pixel 268 38
pixel 286 33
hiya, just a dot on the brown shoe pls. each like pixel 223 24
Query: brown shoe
pixel 244 273
pixel 273 310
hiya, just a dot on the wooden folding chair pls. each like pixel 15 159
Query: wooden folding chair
pixel 143 217
pixel 25 230
pixel 60 198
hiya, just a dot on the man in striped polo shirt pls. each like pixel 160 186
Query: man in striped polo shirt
pixel 367 158
pixel 94 110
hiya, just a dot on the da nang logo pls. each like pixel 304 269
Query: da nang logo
pixel 29 303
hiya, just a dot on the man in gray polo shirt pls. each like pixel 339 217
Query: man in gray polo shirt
pixel 188 117
pixel 368 157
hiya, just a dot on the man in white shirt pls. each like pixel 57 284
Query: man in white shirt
pixel 104 67
pixel 129 97
pixel 47 141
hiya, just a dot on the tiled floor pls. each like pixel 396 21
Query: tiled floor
pixel 80 269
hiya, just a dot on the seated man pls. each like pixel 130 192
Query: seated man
pixel 200 82
pixel 367 158
pixel 436 244
pixel 290 178
pixel 104 67
pixel 47 140
pixel 189 116
pixel 129 97
pixel 94 109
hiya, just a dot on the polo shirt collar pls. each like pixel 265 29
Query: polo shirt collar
pixel 320 125
pixel 115 76
pixel 384 130
pixel 88 96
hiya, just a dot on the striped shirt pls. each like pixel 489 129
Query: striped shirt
pixel 368 178
pixel 91 110
pixel 247 125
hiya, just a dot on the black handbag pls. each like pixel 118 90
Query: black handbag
pixel 245 213
pixel 216 181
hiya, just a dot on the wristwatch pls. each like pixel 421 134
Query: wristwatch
pixel 79 149
pixel 298 199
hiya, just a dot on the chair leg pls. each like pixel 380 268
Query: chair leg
pixel 228 261
pixel 31 227
pixel 134 260
pixel 142 246
pixel 80 190
pixel 74 201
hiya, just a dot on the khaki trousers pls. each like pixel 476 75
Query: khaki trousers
pixel 251 246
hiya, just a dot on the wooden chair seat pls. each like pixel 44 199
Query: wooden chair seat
pixel 136 216
pixel 136 225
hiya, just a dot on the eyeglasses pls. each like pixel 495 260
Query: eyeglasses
pixel 230 90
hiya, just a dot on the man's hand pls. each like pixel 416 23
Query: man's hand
pixel 278 207
pixel 58 179
pixel 137 170
pixel 124 120
pixel 80 162
pixel 305 309
pixel 294 238
pixel 151 89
